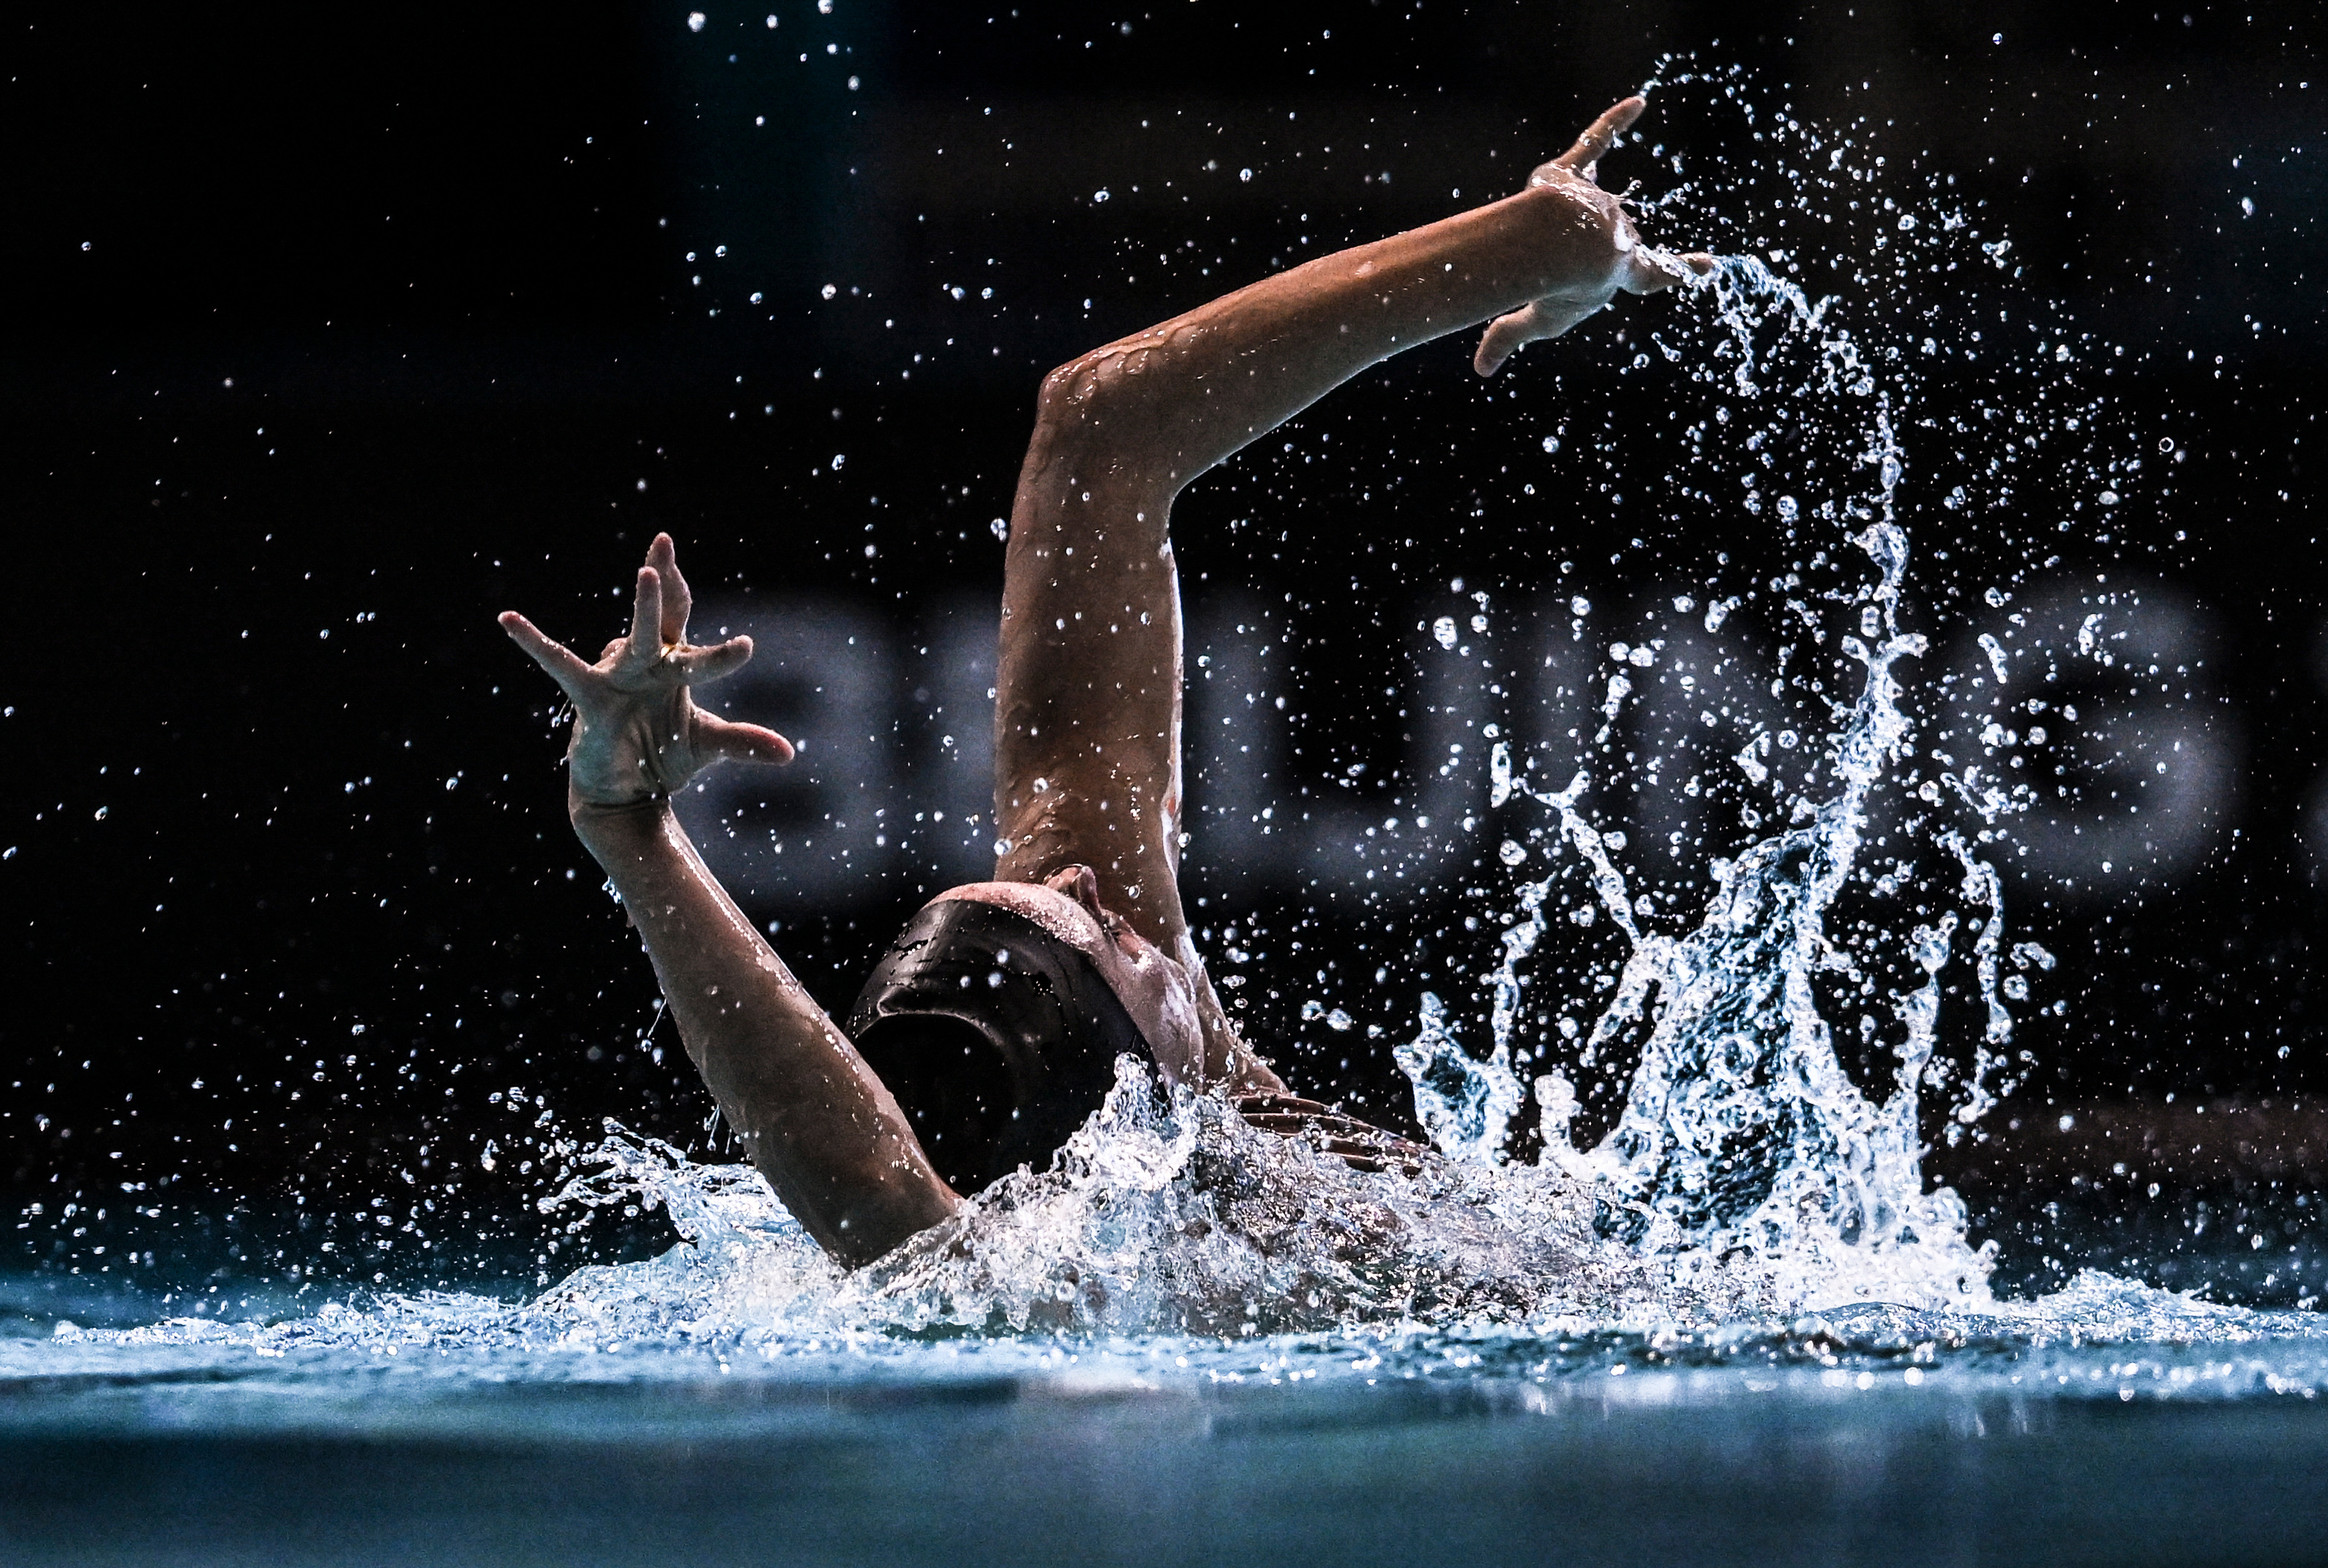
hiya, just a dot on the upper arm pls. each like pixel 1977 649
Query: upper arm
pixel 1088 690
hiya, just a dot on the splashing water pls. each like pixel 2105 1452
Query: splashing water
pixel 1741 1135
pixel 1740 1128
pixel 1465 1105
pixel 1165 1213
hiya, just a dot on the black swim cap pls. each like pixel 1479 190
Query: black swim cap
pixel 998 1038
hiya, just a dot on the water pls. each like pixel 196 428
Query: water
pixel 1188 1341
pixel 1739 1324
pixel 674 1411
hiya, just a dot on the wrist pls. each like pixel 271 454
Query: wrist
pixel 1575 234
pixel 614 823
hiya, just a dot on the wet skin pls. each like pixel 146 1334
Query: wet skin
pixel 1087 720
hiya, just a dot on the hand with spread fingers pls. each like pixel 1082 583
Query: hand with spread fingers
pixel 1355 1143
pixel 638 735
pixel 1630 265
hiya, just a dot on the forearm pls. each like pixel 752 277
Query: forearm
pixel 1189 392
pixel 814 1117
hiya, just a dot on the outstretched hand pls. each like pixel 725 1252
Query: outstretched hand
pixel 1356 1144
pixel 1633 266
pixel 637 733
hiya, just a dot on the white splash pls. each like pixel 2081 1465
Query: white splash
pixel 1465 1105
pixel 1166 1213
pixel 1741 1133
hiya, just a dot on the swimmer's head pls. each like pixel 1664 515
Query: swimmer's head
pixel 996 1016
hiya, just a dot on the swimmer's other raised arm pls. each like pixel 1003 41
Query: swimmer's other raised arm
pixel 814 1117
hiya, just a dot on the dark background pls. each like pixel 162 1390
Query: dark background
pixel 333 332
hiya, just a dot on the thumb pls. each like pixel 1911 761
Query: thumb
pixel 716 737
pixel 1506 333
pixel 704 665
pixel 1652 271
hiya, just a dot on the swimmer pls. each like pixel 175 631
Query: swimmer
pixel 988 1030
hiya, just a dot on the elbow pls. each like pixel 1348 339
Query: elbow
pixel 1121 385
pixel 1079 396
pixel 1129 410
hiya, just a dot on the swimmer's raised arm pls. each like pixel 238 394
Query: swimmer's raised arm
pixel 814 1117
pixel 1087 764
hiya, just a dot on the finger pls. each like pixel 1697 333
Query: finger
pixel 1326 1117
pixel 677 602
pixel 1330 1130
pixel 1249 1104
pixel 1601 135
pixel 1378 1161
pixel 646 618
pixel 552 655
pixel 702 665
pixel 1367 1136
pixel 1274 1121
pixel 1279 1120
pixel 1504 336
pixel 716 737
pixel 1652 271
